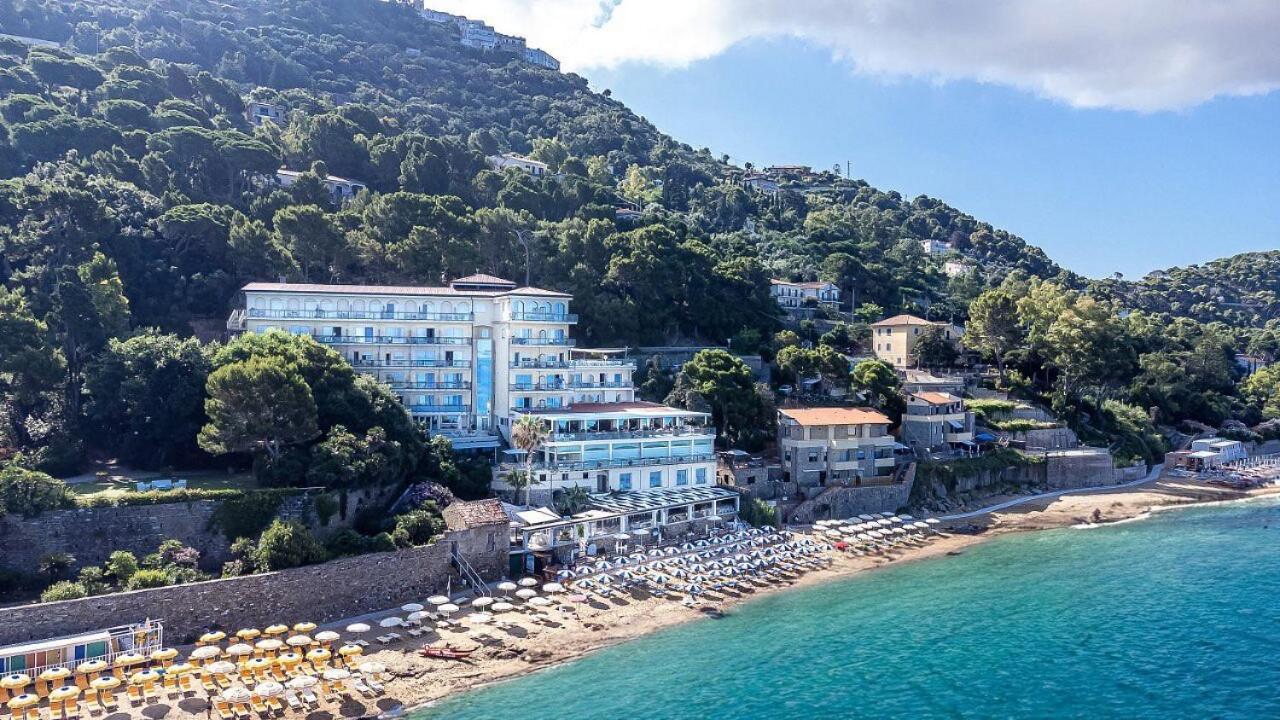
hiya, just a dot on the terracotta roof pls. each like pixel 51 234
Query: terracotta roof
pixel 906 320
pixel 835 416
pixel 461 515
pixel 937 398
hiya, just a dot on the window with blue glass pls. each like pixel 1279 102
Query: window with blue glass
pixel 700 476
pixel 624 481
pixel 682 477
pixel 862 454
pixel 655 479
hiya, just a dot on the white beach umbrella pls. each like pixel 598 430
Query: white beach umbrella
pixel 478 618
pixel 417 616
pixel 526 593
pixel 237 694
pixel 552 588
pixel 411 607
pixel 268 645
pixel 270 688
pixel 866 518
pixel 389 622
pixel 298 641
pixel 507 586
pixel 539 601
pixel 438 600
pixel 933 521
pixel 302 682
pixel 372 667
pixel 327 636
pixel 447 609
pixel 358 628
pixel 502 607
pixel 205 652
pixel 886 514
pixel 528 582
pixel 482 601
pixel 240 650
pixel 221 667
pixel 336 674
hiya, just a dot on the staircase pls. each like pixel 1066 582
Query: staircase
pixel 469 574
pixel 236 322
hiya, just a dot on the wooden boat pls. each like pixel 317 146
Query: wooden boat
pixel 445 653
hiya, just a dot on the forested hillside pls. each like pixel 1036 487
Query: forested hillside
pixel 136 195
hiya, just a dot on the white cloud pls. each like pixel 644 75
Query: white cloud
pixel 1141 55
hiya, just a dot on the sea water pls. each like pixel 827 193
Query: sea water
pixel 1173 616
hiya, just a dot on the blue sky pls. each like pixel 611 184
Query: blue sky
pixel 1101 190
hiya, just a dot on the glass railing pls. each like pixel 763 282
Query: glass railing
pixel 543 317
pixel 411 363
pixel 687 431
pixel 585 385
pixel 566 342
pixel 439 409
pixel 390 340
pixel 538 387
pixel 352 315
pixel 429 386
pixel 621 463
pixel 562 364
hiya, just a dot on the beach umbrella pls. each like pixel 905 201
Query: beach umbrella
pixel 418 616
pixel 411 607
pixel 604 580
pixel 447 609
pixel 221 667
pixel 481 601
pixel 552 588
pixel 507 586
pixel 55 674
pixel 248 633
pixel 258 664
pixel 357 628
pixel 66 692
pixel 564 574
pixel 269 688
pixel 205 652
pixel 298 640
pixel 526 593
pixel 578 598
pixel 319 655
pixel 350 650
pixel 528 582
pixel 276 629
pixel 215 636
pixel 130 658
pixel 93 666
pixel 438 600
pixel 905 517
pixel 866 518
pixel 372 668
pixel 236 694
pixel 288 658
pixel 390 622
pixel 269 645
pixel 236 650
pixel 478 618
pixel 501 607
pixel 303 628
pixel 539 601
pixel 179 669
pixel 105 683
pixel 24 701
pixel 932 521
pixel 327 636
pixel 14 681
pixel 302 682
pixel 886 514
pixel 336 674
pixel 164 655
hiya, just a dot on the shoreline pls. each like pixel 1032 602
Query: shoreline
pixel 422 684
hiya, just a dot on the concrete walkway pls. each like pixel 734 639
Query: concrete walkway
pixel 1155 473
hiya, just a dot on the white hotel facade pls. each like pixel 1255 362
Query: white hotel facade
pixel 469 358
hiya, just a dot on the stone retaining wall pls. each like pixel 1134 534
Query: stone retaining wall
pixel 320 593
pixel 1075 470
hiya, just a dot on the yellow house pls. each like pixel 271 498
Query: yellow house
pixel 893 339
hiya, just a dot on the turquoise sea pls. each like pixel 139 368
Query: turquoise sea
pixel 1173 616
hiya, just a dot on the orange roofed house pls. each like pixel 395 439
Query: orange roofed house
pixel 834 446
pixel 936 419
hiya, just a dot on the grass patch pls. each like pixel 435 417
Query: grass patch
pixel 1021 425
pixel 120 487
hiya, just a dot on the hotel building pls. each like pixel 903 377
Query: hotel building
pixel 835 446
pixel 934 419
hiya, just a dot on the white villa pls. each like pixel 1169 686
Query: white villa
pixel 256 113
pixel 541 58
pixel 792 295
pixel 935 247
pixel 523 164
pixel 340 189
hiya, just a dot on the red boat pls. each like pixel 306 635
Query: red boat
pixel 445 653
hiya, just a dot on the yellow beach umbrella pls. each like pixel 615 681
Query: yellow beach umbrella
pixel 327 636
pixel 275 630
pixel 319 655
pixel 288 658
pixel 269 645
pixel 164 655
pixel 299 641
pixel 105 683
pixel 179 669
pixel 248 633
pixel 25 700
pixel 144 677
pixel 304 627
pixel 13 681
pixel 92 666
pixel 350 650
pixel 66 692
pixel 55 674
pixel 239 650
pixel 210 638
pixel 258 664
pixel 129 658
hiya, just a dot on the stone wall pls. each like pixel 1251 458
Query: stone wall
pixel 1078 469
pixel 844 502
pixel 320 593
pixel 1049 438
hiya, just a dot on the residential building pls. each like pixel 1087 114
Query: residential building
pixel 340 189
pixel 956 268
pixel 511 160
pixel 460 357
pixel 919 381
pixel 512 44
pixel 477 34
pixel 617 447
pixel 894 339
pixel 256 113
pixel 834 446
pixel 627 215
pixel 935 247
pixel 793 295
pixel 441 18
pixel 1207 454
pixel 541 58
pixel 1250 364
pixel 936 419
pixel 762 183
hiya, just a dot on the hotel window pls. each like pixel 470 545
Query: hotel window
pixel 700 476
pixel 624 481
pixel 813 456
pixel 655 479
pixel 682 477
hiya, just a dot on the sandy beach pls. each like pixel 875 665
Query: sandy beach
pixel 527 646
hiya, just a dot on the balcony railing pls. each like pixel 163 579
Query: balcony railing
pixel 564 364
pixel 544 317
pixel 351 315
pixel 539 387
pixel 390 340
pixel 411 363
pixel 688 431
pixel 439 409
pixel 585 385
pixel 622 463
pixel 564 342
pixel 429 386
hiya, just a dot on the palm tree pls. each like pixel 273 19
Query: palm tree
pixel 528 434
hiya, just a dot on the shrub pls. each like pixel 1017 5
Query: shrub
pixel 94 580
pixel 349 542
pixel 250 513
pixel 121 565
pixel 756 513
pixel 158 497
pixel 29 492
pixel 418 526
pixel 148 578
pixel 326 508
pixel 285 545
pixel 63 590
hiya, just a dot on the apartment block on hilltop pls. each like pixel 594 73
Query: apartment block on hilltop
pixel 935 420
pixel 835 446
pixel 894 339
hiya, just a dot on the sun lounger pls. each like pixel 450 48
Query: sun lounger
pixel 260 707
pixel 360 686
pixel 416 632
pixel 362 643
pixel 384 639
pixel 292 699
pixel 242 711
pixel 71 710
pixel 276 706
pixel 310 698
pixel 223 709
pixel 375 685
pixel 135 694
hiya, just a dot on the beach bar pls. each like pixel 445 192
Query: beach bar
pixel 35 657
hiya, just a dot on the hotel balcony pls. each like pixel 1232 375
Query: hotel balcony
pixel 651 433
pixel 559 342
pixel 570 364
pixel 622 463
pixel 410 364
pixel 405 385
pixel 590 385
pixel 389 340
pixel 563 318
pixel 539 387
pixel 351 315
pixel 439 409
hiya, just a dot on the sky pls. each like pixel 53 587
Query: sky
pixel 1120 136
